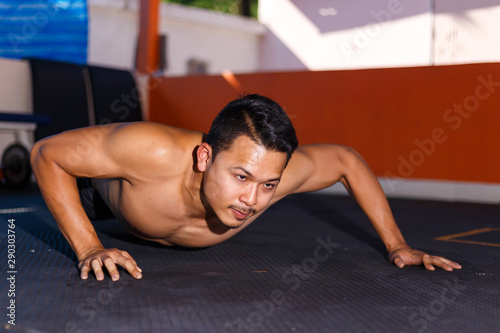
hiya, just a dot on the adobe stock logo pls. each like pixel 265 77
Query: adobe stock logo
pixel 32 26
pixel 91 307
pixel 421 319
pixel 453 118
pixel 279 298
pixel 363 37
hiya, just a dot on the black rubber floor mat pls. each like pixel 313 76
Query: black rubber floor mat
pixel 312 263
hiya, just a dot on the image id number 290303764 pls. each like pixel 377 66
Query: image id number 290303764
pixel 11 271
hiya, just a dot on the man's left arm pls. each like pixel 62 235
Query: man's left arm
pixel 320 166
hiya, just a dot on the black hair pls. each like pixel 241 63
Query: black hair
pixel 259 118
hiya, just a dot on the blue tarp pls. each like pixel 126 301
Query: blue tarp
pixel 44 29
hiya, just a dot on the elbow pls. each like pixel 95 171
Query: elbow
pixel 36 155
pixel 35 151
pixel 351 161
pixel 350 157
pixel 353 153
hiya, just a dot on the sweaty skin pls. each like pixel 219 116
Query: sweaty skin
pixel 162 183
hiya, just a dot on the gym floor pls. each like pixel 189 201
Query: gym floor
pixel 311 263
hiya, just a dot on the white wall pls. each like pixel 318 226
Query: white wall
pixel 467 31
pixel 225 42
pixel 113 31
pixel 326 34
pixel 15 97
pixel 15 86
pixel 337 34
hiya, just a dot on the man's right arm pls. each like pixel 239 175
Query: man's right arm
pixel 56 162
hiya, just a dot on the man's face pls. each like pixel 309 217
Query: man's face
pixel 242 180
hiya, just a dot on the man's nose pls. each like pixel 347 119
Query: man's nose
pixel 249 196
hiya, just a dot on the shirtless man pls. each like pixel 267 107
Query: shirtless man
pixel 178 187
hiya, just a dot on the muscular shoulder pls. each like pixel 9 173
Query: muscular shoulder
pixel 147 139
pixel 153 146
pixel 127 150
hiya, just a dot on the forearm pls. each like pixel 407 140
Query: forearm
pixel 60 193
pixel 365 188
pixel 315 167
pixel 71 219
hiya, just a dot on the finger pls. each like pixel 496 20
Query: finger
pixel 428 261
pixel 441 264
pixel 446 264
pixel 399 262
pixel 111 267
pixel 97 268
pixel 429 266
pixel 128 256
pixel 84 271
pixel 130 266
pixel 452 264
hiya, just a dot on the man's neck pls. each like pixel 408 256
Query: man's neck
pixel 196 205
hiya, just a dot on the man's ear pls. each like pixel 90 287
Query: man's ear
pixel 203 155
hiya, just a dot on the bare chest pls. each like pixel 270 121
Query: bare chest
pixel 153 210
pixel 159 212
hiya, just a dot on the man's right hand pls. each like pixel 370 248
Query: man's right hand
pixel 96 259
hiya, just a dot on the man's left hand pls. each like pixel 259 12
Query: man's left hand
pixel 408 256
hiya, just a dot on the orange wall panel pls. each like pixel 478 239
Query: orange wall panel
pixel 438 122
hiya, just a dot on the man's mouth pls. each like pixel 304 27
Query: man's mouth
pixel 240 215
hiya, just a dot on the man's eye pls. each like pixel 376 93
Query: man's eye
pixel 269 186
pixel 240 177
